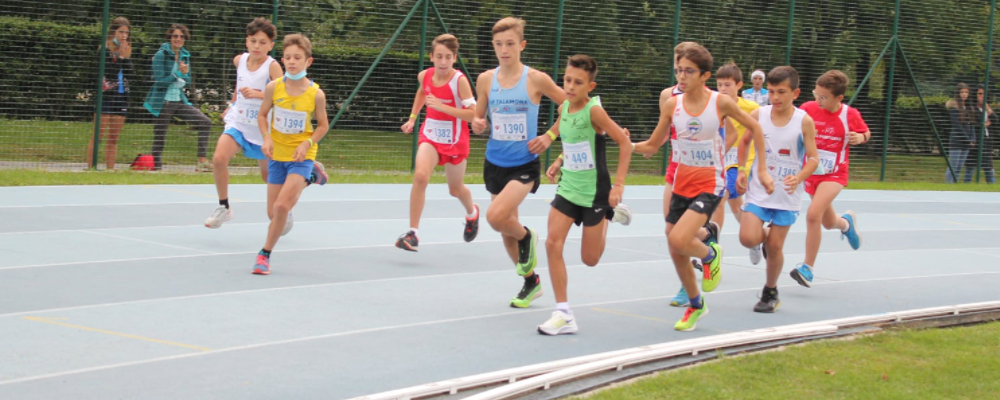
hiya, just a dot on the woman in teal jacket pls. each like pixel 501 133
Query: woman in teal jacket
pixel 166 99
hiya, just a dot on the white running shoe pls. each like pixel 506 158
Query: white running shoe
pixel 756 254
pixel 623 214
pixel 289 223
pixel 560 323
pixel 220 215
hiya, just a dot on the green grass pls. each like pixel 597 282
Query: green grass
pixel 955 363
pixel 365 156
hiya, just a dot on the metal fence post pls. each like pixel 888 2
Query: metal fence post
pixel 791 22
pixel 888 97
pixel 274 20
pixel 986 92
pixel 555 75
pixel 420 67
pixel 677 35
pixel 99 98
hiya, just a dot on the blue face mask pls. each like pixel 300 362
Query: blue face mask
pixel 297 76
pixel 115 40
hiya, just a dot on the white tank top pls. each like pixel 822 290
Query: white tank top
pixel 243 114
pixel 699 147
pixel 785 152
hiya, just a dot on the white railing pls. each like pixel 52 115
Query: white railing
pixel 523 380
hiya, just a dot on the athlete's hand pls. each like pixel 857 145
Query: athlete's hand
pixel 251 93
pixel 767 182
pixel 300 152
pixel 268 147
pixel 408 126
pixel 434 103
pixel 791 182
pixel 553 170
pixel 856 138
pixel 616 195
pixel 539 144
pixel 741 183
pixel 183 68
pixel 478 125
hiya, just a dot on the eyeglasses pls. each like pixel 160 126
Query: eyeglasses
pixel 689 71
pixel 124 32
pixel 818 97
pixel 177 36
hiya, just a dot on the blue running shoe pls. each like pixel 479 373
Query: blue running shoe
pixel 803 275
pixel 681 299
pixel 852 235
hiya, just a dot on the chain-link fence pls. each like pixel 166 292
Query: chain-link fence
pixel 904 59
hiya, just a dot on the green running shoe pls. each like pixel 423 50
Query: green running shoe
pixel 527 258
pixel 713 271
pixel 691 317
pixel 531 290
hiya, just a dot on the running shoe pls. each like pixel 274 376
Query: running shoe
pixel 527 258
pixel 803 274
pixel 263 265
pixel 713 232
pixel 218 217
pixel 691 317
pixel 531 290
pixel 289 223
pixel 756 254
pixel 623 214
pixel 681 299
pixel 696 263
pixel 713 271
pixel 560 323
pixel 319 172
pixel 768 301
pixel 471 226
pixel 852 234
pixel 408 241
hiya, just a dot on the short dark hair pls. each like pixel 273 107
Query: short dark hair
pixel 261 24
pixel 584 62
pixel 730 71
pixel 782 74
pixel 835 81
pixel 178 27
pixel 697 54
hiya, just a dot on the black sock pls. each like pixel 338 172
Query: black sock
pixel 265 253
pixel 224 202
pixel 531 279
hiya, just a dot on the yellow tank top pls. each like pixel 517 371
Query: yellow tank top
pixel 731 157
pixel 291 123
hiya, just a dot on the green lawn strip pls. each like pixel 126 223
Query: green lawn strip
pixel 953 363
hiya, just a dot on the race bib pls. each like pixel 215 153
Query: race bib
pixel 780 167
pixel 290 122
pixel 438 131
pixel 827 163
pixel 732 157
pixel 696 153
pixel 246 111
pixel 510 127
pixel 578 156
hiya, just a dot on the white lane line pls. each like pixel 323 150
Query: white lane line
pixel 978 253
pixel 422 324
pixel 147 242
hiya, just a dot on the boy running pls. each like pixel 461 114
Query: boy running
pixel 444 136
pixel 254 70
pixel 700 180
pixel 585 195
pixel 789 137
pixel 291 139
pixel 837 126
pixel 512 93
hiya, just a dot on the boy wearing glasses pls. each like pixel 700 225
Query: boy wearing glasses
pixel 700 179
pixel 837 126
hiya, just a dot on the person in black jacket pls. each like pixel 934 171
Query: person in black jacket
pixel 962 137
pixel 983 112
pixel 117 69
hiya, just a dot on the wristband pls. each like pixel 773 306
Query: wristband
pixel 551 135
pixel 560 157
pixel 413 116
pixel 620 185
pixel 311 142
pixel 742 168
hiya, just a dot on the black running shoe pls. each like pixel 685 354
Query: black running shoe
pixel 531 290
pixel 713 232
pixel 472 226
pixel 408 241
pixel 768 301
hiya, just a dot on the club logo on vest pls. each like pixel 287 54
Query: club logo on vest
pixel 694 126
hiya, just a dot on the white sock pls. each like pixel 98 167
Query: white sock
pixel 475 213
pixel 414 231
pixel 564 307
pixel 848 227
